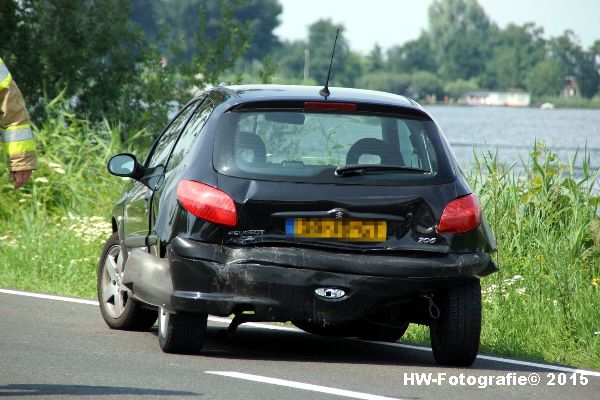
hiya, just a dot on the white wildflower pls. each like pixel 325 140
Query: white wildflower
pixel 54 165
pixel 89 229
pixel 597 333
pixel 3 237
pixel 555 303
pixel 521 290
pixel 517 277
pixel 59 170
pixel 41 179
pixel 22 200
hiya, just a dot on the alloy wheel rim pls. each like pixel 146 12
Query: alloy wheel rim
pixel 114 294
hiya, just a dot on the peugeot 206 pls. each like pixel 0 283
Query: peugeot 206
pixel 345 213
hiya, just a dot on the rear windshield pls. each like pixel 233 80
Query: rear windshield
pixel 320 147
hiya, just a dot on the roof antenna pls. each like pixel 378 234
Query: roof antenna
pixel 325 91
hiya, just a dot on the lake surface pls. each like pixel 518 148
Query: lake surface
pixel 513 131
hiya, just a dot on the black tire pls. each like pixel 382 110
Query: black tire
pixel 455 335
pixel 181 333
pixel 127 314
pixel 380 333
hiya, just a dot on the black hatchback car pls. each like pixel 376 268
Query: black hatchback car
pixel 346 215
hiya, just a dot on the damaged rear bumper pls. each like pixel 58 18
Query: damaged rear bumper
pixel 279 283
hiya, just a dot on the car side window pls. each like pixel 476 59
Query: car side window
pixel 416 146
pixel 190 133
pixel 162 148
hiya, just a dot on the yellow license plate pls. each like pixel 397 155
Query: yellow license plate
pixel 339 229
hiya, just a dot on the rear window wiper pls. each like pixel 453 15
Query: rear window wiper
pixel 357 169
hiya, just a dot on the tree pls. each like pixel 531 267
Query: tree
pixel 374 62
pixel 8 23
pixel 346 67
pixel 321 35
pixel 262 17
pixel 461 30
pixel 290 58
pixel 595 52
pixel 574 61
pixel 415 55
pixel 545 79
pixel 514 52
pixel 145 14
pixel 88 48
pixel 352 70
pixel 181 18
pixel 218 46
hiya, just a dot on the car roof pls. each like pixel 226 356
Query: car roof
pixel 251 93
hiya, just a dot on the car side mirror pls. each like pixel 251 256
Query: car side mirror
pixel 125 165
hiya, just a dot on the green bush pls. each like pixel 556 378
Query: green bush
pixel 425 83
pixel 71 174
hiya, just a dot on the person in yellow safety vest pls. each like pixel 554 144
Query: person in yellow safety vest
pixel 15 129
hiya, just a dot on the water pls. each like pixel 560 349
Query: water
pixel 513 131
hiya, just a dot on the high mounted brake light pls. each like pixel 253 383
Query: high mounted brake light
pixel 460 215
pixel 207 202
pixel 325 105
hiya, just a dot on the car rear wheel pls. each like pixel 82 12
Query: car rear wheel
pixel 181 333
pixel 455 335
pixel 118 309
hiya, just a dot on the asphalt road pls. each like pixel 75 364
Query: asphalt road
pixel 62 350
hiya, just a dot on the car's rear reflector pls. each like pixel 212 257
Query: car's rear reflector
pixel 207 202
pixel 460 215
pixel 325 105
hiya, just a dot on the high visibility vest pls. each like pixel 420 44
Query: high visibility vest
pixel 14 124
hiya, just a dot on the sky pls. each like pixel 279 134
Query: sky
pixel 391 22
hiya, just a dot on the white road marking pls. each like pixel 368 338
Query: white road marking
pixel 300 385
pixel 505 360
pixel 285 328
pixel 50 297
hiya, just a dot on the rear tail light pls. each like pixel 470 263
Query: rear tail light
pixel 207 202
pixel 461 215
